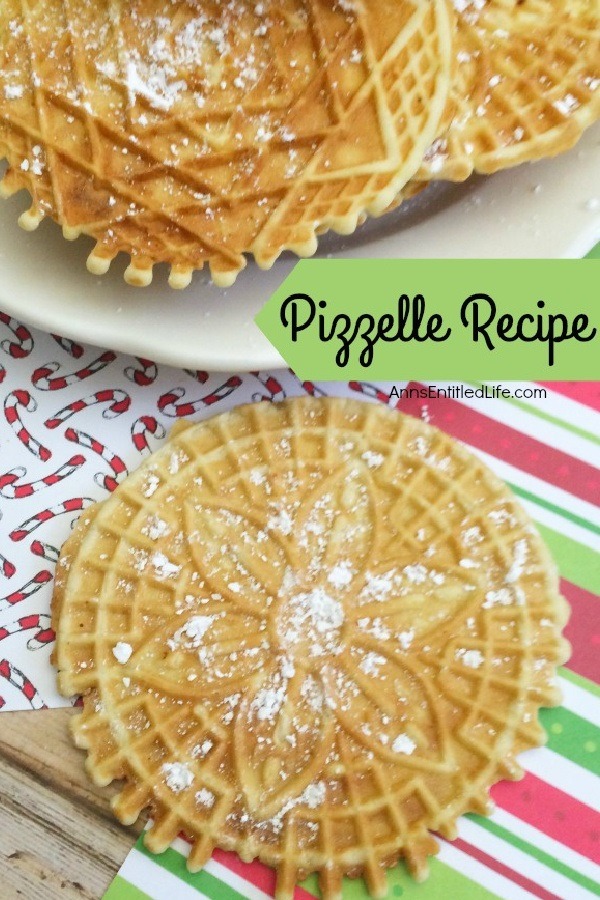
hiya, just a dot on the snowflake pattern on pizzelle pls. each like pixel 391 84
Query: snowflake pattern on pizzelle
pixel 56 393
pixel 196 133
pixel 317 625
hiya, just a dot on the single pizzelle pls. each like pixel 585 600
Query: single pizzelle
pixel 196 133
pixel 310 632
pixel 526 84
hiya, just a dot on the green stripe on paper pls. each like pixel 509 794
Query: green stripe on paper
pixel 443 883
pixel 584 683
pixel 310 885
pixel 565 513
pixel 540 414
pixel 576 562
pixel 595 253
pixel 120 889
pixel 203 881
pixel 573 737
pixel 536 853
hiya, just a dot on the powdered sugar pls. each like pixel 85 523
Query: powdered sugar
pixel 191 635
pixel 280 520
pixel 518 564
pixel 163 567
pixel 405 638
pixel 371 663
pixel 472 659
pixel 203 749
pixel 122 652
pixel 151 485
pixel 314 795
pixel 404 744
pixel 156 528
pixel 316 618
pixel 341 575
pixel 268 702
pixel 501 597
pixel 205 798
pixel 178 776
pixel 372 459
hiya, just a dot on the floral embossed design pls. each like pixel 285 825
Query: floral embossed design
pixel 317 633
pixel 316 625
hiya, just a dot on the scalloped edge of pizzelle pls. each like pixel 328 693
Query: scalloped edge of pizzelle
pixel 139 271
pixel 564 136
pixel 133 800
pixel 90 729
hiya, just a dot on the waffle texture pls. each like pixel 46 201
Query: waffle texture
pixel 526 84
pixel 310 632
pixel 195 133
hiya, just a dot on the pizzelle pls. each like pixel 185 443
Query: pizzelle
pixel 310 632
pixel 196 133
pixel 526 84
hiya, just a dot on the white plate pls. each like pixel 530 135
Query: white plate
pixel 546 210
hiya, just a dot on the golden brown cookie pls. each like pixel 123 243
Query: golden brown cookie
pixel 526 84
pixel 194 133
pixel 310 632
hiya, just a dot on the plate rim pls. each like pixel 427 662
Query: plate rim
pixel 245 356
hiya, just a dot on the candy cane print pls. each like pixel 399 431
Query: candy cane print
pixel 28 589
pixel 46 551
pixel 25 341
pixel 73 349
pixel 23 399
pixel 2 374
pixel 140 430
pixel 44 634
pixel 76 504
pixel 10 490
pixel 41 377
pixel 15 677
pixel 115 462
pixel 143 376
pixel 7 568
pixel 312 390
pixel 309 386
pixel 198 375
pixel 370 390
pixel 119 402
pixel 168 405
pixel 273 387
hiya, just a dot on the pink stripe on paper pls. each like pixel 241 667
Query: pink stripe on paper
pixel 551 811
pixel 256 873
pixel 518 449
pixel 586 392
pixel 583 631
pixel 496 866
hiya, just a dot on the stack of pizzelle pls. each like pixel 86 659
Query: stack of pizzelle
pixel 526 84
pixel 312 632
pixel 194 134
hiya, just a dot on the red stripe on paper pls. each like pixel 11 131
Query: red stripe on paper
pixel 256 873
pixel 552 812
pixel 261 876
pixel 586 392
pixel 516 448
pixel 583 631
pixel 496 866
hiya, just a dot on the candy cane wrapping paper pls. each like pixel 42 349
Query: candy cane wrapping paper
pixel 74 420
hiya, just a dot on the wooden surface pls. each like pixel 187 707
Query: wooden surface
pixel 58 836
